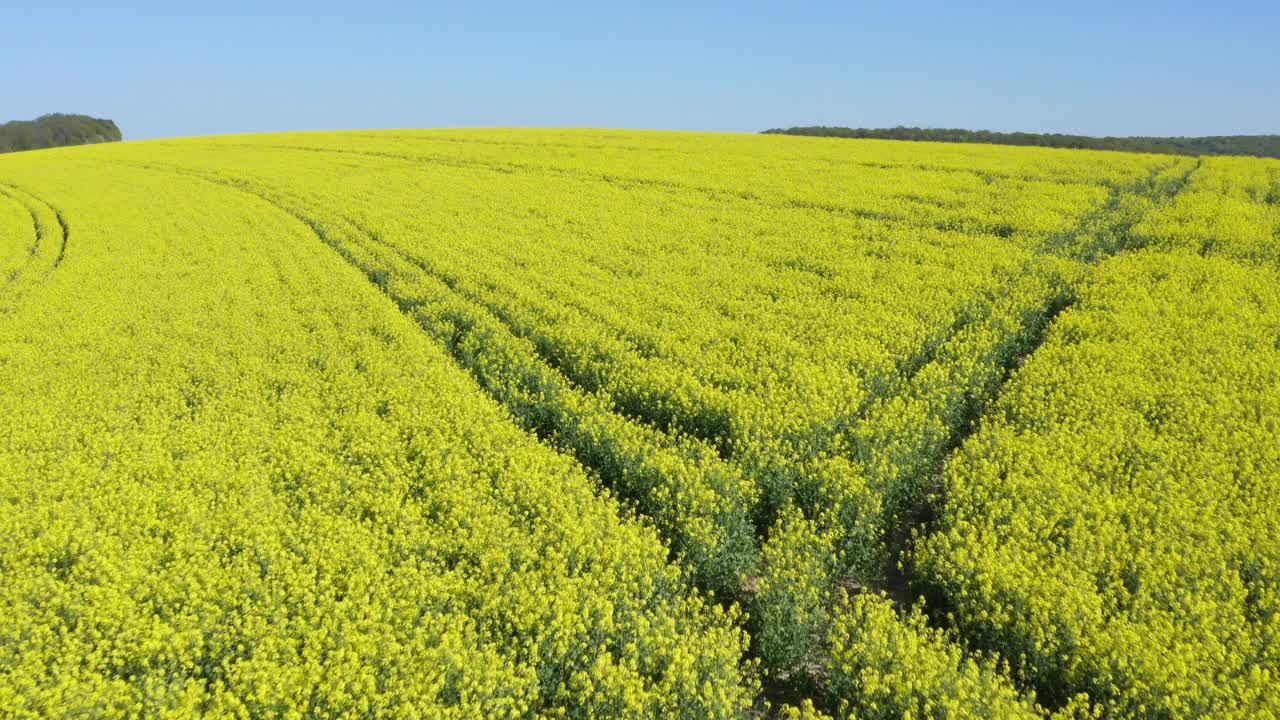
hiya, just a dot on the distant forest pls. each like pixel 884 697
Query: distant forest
pixel 1256 145
pixel 55 130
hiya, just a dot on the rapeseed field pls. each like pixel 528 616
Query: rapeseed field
pixel 594 423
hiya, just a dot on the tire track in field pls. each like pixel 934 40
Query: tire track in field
pixel 1105 222
pixel 889 384
pixel 896 586
pixel 892 382
pixel 31 273
pixel 454 284
pixel 1102 221
pixel 64 230
pixel 702 421
pixel 408 306
pixel 706 424
pixel 900 587
pixel 615 463
pixel 31 249
pixel 880 390
pixel 697 420
pixel 1110 225
pixel 921 481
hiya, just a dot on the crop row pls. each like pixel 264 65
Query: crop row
pixel 1231 208
pixel 620 391
pixel 1112 529
pixel 235 481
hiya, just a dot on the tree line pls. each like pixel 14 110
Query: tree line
pixel 1255 145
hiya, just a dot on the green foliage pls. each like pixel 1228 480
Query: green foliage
pixel 56 130
pixel 792 597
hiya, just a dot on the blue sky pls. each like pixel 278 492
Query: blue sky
pixel 164 69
